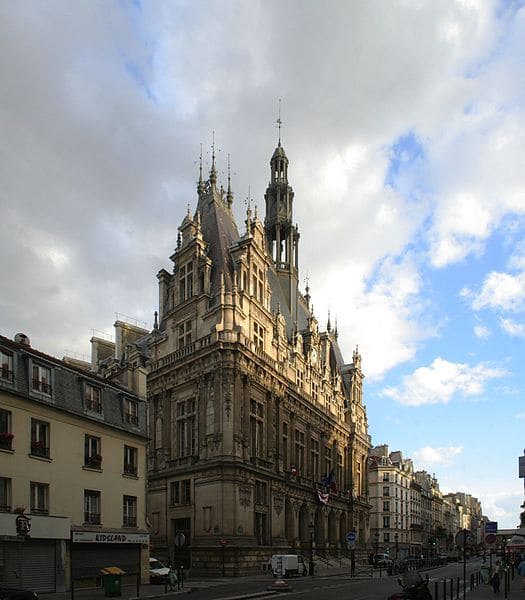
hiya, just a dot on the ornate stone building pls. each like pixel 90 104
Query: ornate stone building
pixel 259 432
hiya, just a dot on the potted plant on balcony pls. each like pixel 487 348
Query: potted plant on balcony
pixel 38 447
pixel 6 439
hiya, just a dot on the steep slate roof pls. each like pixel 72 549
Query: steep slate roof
pixel 279 300
pixel 220 232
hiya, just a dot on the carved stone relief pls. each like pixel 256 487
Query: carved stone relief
pixel 278 503
pixel 245 495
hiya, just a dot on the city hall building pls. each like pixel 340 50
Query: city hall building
pixel 259 438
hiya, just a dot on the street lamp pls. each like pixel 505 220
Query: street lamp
pixel 311 529
pixel 396 539
pixel 376 539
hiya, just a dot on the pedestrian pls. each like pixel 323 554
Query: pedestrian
pixel 172 578
pixel 496 577
pixel 521 570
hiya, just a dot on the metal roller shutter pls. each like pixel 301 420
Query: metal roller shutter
pixel 88 559
pixel 30 564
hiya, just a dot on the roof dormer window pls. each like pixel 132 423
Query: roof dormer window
pixel 41 381
pixel 6 366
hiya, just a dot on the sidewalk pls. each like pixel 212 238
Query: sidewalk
pixel 484 591
pixel 260 582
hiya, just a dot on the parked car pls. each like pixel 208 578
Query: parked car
pixel 382 560
pixel 158 572
pixel 8 593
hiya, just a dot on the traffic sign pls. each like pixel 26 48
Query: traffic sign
pixel 491 527
pixel 351 536
pixel 490 538
pixel 464 538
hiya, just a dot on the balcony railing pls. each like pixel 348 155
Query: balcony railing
pixel 129 521
pixel 94 461
pixel 94 405
pixel 39 449
pixel 131 418
pixel 6 373
pixel 92 518
pixel 130 469
pixel 6 440
pixel 42 386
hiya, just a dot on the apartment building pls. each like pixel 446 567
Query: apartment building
pixel 72 473
pixel 392 499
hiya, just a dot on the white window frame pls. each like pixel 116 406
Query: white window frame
pixel 93 398
pixel 39 498
pixel 6 366
pixel 41 379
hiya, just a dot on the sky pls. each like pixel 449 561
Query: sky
pixel 404 124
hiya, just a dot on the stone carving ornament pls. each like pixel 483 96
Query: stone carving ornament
pixel 278 503
pixel 245 495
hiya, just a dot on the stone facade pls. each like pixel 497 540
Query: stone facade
pixel 259 438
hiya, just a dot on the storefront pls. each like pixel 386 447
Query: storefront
pixel 91 551
pixel 33 551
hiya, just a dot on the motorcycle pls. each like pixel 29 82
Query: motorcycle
pixel 414 587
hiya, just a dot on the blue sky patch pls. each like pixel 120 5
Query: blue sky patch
pixel 404 152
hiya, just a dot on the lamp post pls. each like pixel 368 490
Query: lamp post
pixel 376 539
pixel 396 539
pixel 311 529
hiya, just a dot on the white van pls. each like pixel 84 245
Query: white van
pixel 288 564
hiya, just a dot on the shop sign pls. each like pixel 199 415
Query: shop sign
pixel 101 537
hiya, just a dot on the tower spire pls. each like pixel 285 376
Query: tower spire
pixel 200 184
pixel 229 195
pixel 213 172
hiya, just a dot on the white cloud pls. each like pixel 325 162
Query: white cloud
pixel 513 328
pixel 482 332
pixel 427 457
pixel 501 291
pixel 441 381
pixel 387 319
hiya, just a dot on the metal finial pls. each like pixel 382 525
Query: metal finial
pixel 248 200
pixel 279 122
pixel 229 194
pixel 213 172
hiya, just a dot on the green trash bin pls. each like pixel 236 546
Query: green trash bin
pixel 112 579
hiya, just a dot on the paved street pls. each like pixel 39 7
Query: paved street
pixel 330 583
